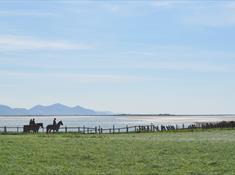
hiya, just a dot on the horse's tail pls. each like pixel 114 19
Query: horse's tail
pixel 26 128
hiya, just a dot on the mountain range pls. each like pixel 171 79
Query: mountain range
pixel 55 109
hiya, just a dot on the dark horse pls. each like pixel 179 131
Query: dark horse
pixel 34 128
pixel 54 128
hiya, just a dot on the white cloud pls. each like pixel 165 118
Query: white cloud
pixel 206 14
pixel 230 5
pixel 76 77
pixel 122 9
pixel 181 58
pixel 160 3
pixel 195 67
pixel 113 7
pixel 220 14
pixel 25 13
pixel 214 19
pixel 9 42
pixel 169 3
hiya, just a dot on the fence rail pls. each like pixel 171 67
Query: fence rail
pixel 128 129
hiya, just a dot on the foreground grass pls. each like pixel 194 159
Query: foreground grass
pixel 201 152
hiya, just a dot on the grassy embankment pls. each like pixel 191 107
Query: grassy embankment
pixel 201 152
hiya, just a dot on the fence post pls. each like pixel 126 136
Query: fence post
pixel 65 128
pixel 113 129
pixel 96 129
pixel 5 129
pixel 78 129
pixel 183 126
pixel 101 130
pixel 135 128
pixel 118 130
pixel 127 128
pixel 84 129
pixel 17 129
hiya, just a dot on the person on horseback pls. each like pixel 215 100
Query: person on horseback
pixel 54 122
pixel 33 122
pixel 55 127
pixel 30 122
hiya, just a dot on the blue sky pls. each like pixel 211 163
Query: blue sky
pixel 123 56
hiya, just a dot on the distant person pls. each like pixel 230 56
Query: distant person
pixel 54 122
pixel 30 122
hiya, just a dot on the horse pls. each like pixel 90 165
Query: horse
pixel 54 128
pixel 34 128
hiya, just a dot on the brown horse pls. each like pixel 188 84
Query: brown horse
pixel 54 128
pixel 34 128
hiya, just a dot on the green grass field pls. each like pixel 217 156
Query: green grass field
pixel 198 152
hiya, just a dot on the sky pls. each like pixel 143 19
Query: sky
pixel 121 56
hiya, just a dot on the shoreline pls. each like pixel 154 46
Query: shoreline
pixel 117 115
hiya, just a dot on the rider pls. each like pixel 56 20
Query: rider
pixel 54 122
pixel 30 122
pixel 33 121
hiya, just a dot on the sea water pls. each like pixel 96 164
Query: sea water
pixel 109 121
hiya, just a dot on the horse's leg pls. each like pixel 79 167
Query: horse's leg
pixel 49 129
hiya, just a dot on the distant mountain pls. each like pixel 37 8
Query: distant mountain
pixel 55 109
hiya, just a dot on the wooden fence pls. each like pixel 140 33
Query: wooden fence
pixel 129 129
pixel 101 130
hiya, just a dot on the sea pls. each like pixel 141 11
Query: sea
pixel 110 121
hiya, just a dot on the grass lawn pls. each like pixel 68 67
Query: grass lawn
pixel 198 152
